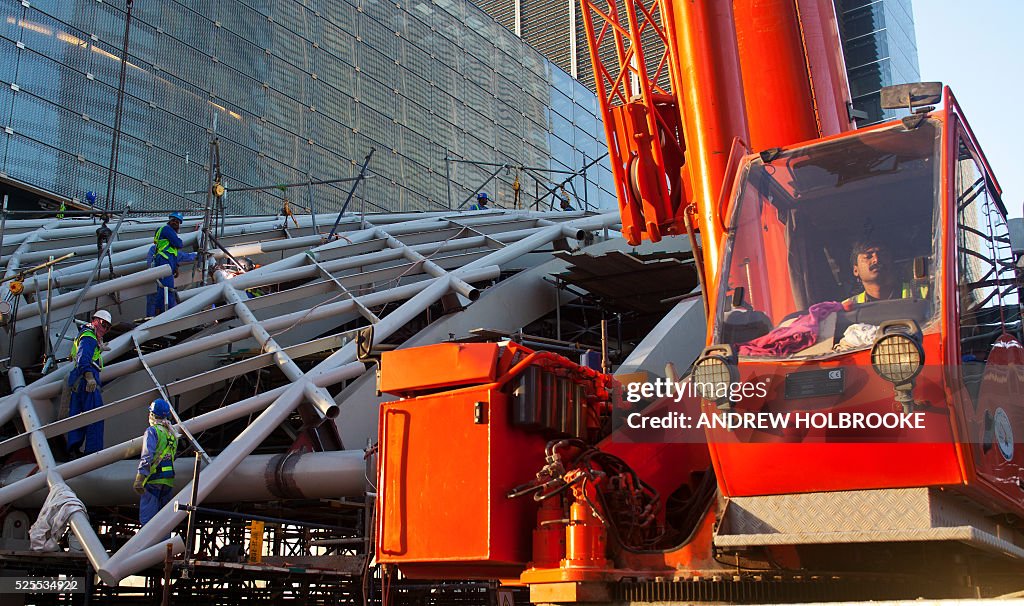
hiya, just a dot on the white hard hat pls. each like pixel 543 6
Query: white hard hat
pixel 103 315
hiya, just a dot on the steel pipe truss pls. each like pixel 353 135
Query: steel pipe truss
pixel 307 300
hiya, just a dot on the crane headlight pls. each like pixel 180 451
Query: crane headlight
pixel 897 355
pixel 714 373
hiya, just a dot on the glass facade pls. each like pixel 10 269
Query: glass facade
pixel 878 41
pixel 880 48
pixel 556 29
pixel 295 90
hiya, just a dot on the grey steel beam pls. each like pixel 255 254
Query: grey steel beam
pixel 459 285
pixel 33 285
pixel 542 237
pixel 13 263
pixel 569 232
pixel 363 310
pixel 83 251
pixel 98 290
pixel 317 396
pixel 79 521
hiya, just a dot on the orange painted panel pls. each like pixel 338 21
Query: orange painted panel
pixel 820 467
pixel 441 365
pixel 444 474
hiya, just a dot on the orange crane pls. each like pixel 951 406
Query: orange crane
pixel 851 429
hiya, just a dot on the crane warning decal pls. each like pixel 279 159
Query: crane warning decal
pixel 505 597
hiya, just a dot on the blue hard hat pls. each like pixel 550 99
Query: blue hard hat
pixel 160 408
pixel 90 197
pixel 482 195
pixel 176 215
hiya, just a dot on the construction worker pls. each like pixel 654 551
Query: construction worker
pixel 84 381
pixel 167 243
pixel 154 481
pixel 152 300
pixel 481 202
pixel 873 266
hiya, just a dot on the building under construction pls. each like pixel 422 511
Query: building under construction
pixel 262 367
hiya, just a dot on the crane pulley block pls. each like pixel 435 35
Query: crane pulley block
pixel 649 155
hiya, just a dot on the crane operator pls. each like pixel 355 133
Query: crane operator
pixel 873 266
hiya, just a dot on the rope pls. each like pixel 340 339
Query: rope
pixel 516 186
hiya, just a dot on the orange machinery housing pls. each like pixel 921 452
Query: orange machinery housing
pixel 967 381
pixel 488 469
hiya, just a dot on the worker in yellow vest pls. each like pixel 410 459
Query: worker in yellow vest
pixel 166 243
pixel 84 381
pixel 481 202
pixel 154 481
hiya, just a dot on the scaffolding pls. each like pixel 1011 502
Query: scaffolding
pixel 259 363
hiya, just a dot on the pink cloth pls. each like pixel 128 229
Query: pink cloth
pixel 802 333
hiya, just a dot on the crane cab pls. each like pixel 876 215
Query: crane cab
pixel 868 283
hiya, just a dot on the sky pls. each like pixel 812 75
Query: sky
pixel 976 47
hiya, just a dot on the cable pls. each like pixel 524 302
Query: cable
pixel 119 110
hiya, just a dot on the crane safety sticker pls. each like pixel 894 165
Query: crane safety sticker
pixel 1004 434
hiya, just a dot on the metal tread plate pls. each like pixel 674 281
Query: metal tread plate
pixel 964 534
pixel 865 516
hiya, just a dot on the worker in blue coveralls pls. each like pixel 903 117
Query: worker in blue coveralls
pixel 154 299
pixel 167 243
pixel 154 481
pixel 84 381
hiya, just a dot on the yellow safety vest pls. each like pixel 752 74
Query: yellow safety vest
pixel 906 292
pixel 163 245
pixel 97 354
pixel 166 448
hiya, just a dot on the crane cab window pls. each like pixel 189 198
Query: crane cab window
pixel 986 273
pixel 830 240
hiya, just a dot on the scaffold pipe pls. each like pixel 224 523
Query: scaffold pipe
pixel 311 475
